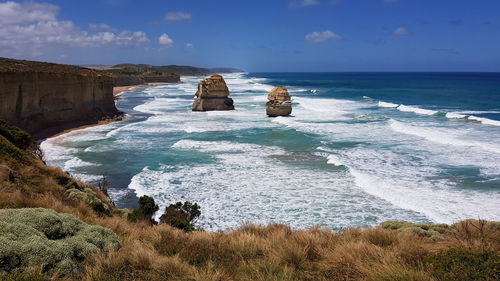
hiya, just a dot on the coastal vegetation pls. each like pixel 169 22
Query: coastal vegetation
pixel 85 237
pixel 181 70
pixel 54 242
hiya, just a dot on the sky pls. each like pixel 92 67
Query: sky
pixel 258 35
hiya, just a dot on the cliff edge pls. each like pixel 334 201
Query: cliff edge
pixel 45 98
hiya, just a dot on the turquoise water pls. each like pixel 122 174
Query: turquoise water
pixel 359 149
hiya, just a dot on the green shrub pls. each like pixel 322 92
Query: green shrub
pixel 90 197
pixel 147 208
pixel 181 215
pixel 465 265
pixel 100 208
pixel 9 151
pixel 18 137
pixel 37 237
pixel 421 229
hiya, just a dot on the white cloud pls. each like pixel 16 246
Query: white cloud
pixel 15 13
pixel 178 16
pixel 189 45
pixel 32 28
pixel 303 3
pixel 99 26
pixel 165 40
pixel 400 31
pixel 322 36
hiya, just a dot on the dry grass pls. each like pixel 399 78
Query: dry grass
pixel 250 252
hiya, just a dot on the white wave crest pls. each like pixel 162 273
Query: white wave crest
pixel 76 162
pixel 483 120
pixel 387 104
pixel 335 160
pixel 454 115
pixel 417 110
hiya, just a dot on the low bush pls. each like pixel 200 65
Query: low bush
pixel 9 151
pixel 181 215
pixel 147 208
pixel 37 237
pixel 465 265
pixel 421 229
pixel 18 137
pixel 90 197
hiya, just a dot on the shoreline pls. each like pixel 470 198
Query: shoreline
pixel 117 92
pixel 99 123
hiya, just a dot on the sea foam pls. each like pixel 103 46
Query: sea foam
pixel 442 136
pixel 483 120
pixel 387 104
pixel 417 110
pixel 250 181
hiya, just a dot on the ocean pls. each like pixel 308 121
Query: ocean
pixel 358 149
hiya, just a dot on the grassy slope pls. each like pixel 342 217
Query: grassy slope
pixel 397 251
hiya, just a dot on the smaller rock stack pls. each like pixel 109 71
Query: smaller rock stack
pixel 212 94
pixel 280 102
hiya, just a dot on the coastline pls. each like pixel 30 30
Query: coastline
pixel 99 123
pixel 117 92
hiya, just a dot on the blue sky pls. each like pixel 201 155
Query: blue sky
pixel 294 35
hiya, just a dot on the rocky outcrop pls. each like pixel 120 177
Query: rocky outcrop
pixel 212 94
pixel 280 102
pixel 44 98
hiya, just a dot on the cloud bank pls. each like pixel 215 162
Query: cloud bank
pixel 29 29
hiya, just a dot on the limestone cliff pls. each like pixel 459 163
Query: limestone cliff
pixel 44 98
pixel 212 94
pixel 279 103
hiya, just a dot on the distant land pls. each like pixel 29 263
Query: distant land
pixel 182 70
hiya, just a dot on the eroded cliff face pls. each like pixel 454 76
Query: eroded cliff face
pixel 45 98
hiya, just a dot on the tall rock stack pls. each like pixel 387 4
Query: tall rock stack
pixel 280 103
pixel 212 94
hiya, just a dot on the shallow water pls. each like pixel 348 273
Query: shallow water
pixel 358 149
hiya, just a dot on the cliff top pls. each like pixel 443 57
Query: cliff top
pixel 13 65
pixel 182 70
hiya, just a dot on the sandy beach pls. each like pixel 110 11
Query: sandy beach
pixel 101 122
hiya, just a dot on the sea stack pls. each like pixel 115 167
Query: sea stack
pixel 280 103
pixel 212 94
